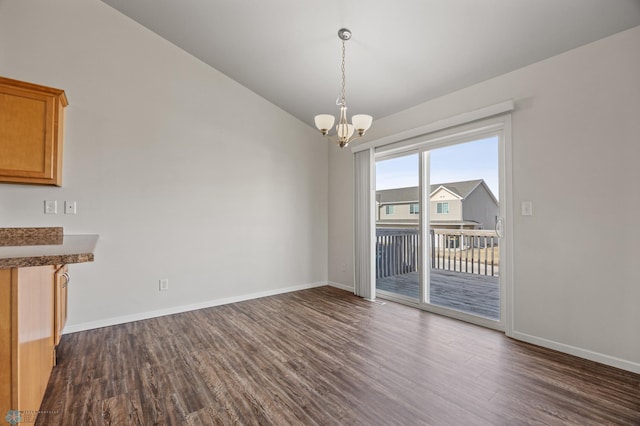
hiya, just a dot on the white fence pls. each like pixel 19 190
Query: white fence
pixel 469 251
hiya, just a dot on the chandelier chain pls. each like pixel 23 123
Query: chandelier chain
pixel 343 100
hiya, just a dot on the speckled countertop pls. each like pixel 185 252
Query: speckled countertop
pixel 24 247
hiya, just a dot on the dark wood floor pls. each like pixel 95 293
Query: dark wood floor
pixel 324 356
pixel 471 293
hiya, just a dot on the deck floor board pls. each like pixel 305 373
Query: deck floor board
pixel 470 293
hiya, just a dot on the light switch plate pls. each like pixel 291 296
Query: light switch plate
pixel 50 207
pixel 526 208
pixel 164 284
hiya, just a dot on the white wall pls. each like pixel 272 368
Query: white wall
pixel 184 173
pixel 576 138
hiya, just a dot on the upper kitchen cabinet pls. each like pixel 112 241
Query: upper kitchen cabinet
pixel 31 125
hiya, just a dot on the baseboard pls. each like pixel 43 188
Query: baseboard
pixel 341 286
pixel 74 328
pixel 612 361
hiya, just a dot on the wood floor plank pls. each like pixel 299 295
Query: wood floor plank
pixel 325 357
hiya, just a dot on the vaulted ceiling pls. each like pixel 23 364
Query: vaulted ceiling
pixel 403 52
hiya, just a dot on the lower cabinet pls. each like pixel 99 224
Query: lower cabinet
pixel 32 314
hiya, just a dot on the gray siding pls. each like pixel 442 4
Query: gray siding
pixel 480 207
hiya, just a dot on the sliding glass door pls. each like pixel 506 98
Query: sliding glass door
pixel 463 212
pixel 438 227
pixel 397 258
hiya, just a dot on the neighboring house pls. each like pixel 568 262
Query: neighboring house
pixel 455 205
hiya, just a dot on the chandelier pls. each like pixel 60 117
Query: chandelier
pixel 344 130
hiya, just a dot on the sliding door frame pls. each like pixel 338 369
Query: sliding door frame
pixel 499 126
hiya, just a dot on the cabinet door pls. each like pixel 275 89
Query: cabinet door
pixel 34 335
pixel 6 341
pixel 61 283
pixel 31 121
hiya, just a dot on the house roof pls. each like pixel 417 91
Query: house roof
pixel 404 195
pixel 397 195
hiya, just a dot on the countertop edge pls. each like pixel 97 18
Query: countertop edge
pixel 75 249
pixel 63 259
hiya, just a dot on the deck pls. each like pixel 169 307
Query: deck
pixel 470 293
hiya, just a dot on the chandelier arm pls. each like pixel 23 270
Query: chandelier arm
pixel 354 137
pixel 344 143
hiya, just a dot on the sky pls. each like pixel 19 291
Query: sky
pixel 466 161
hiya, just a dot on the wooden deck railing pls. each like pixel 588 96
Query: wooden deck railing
pixel 396 252
pixel 470 251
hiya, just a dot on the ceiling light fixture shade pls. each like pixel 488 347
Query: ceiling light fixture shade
pixel 344 130
pixel 324 122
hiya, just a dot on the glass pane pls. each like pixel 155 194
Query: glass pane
pixel 397 227
pixel 464 208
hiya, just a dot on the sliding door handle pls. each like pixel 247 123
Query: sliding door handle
pixel 500 227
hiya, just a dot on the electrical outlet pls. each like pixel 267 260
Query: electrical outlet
pixel 51 207
pixel 164 284
pixel 70 207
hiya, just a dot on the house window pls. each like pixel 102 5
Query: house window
pixel 442 208
pixel 389 209
pixel 414 208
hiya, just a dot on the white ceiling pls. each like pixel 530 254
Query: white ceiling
pixel 403 52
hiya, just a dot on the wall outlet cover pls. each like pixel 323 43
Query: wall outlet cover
pixel 70 207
